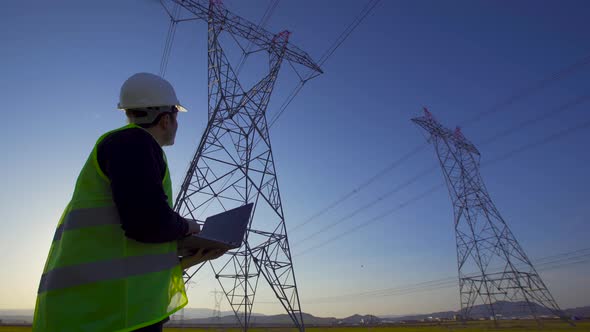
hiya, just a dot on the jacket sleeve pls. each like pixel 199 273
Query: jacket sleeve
pixel 134 163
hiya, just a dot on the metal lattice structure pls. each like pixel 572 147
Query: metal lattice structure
pixel 234 164
pixel 493 268
pixel 218 296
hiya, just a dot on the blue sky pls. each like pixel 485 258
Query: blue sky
pixel 63 63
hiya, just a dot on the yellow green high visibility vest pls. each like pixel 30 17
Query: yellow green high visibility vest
pixel 97 279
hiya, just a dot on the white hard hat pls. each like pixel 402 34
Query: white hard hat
pixel 144 90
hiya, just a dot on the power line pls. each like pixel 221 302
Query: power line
pixel 563 108
pixel 570 105
pixel 379 217
pixel 349 29
pixel 545 140
pixel 369 6
pixel 545 263
pixel 286 103
pixel 327 54
pixel 363 185
pixel 169 37
pixel 370 204
pixel 565 72
pixel 527 91
pixel 542 267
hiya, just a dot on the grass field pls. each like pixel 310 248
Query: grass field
pixel 512 326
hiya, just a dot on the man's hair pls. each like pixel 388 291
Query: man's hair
pixel 149 116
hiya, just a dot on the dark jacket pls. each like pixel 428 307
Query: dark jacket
pixel 133 160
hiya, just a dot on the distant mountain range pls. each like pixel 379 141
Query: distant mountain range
pixel 503 309
pixel 194 313
pixel 16 316
pixel 283 320
pixel 199 316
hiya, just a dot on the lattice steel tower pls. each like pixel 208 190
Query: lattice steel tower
pixel 493 268
pixel 234 164
pixel 218 296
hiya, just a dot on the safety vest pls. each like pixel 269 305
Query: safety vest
pixel 97 279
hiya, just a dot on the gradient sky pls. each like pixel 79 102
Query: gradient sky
pixel 63 62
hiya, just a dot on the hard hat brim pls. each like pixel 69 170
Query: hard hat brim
pixel 179 107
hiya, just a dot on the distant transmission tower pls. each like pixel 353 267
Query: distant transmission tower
pixel 218 296
pixel 493 268
pixel 182 316
pixel 234 164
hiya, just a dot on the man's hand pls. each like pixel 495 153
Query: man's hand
pixel 193 227
pixel 201 256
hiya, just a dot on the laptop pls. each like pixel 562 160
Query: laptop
pixel 221 231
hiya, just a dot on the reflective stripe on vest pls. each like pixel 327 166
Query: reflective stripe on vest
pixel 89 217
pixel 76 275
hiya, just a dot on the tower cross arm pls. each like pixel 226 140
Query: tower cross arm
pixel 435 129
pixel 239 26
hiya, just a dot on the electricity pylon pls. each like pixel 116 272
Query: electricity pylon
pixel 493 268
pixel 182 316
pixel 234 164
pixel 218 296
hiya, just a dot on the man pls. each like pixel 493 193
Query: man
pixel 113 263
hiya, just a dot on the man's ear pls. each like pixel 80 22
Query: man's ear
pixel 164 122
